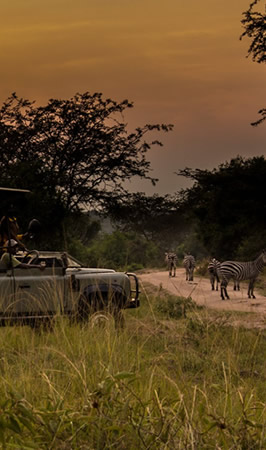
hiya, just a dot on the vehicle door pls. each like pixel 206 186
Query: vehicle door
pixel 39 292
pixel 7 290
pixel 73 288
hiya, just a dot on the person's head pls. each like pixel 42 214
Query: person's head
pixel 11 246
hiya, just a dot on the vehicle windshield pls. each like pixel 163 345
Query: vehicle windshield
pixel 72 262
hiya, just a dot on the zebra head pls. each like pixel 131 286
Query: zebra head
pixel 263 254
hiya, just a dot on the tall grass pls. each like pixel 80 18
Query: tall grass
pixel 172 378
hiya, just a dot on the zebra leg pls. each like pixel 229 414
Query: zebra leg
pixel 251 289
pixel 226 294
pixel 212 280
pixel 236 285
pixel 224 290
pixel 217 282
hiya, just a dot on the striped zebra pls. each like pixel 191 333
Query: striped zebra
pixel 213 267
pixel 241 271
pixel 189 264
pixel 171 260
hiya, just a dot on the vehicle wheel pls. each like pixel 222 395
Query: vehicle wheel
pixel 90 308
pixel 101 319
pixel 84 309
pixel 119 319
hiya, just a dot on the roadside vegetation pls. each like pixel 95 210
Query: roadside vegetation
pixel 177 376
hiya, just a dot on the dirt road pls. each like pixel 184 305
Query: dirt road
pixel 200 291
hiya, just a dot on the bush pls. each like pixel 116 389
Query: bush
pixel 202 268
pixel 175 307
pixel 122 251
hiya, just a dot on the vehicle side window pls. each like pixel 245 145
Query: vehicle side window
pixel 50 262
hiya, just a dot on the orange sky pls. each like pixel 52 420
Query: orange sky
pixel 179 61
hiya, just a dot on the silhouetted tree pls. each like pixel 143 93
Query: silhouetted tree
pixel 157 218
pixel 72 154
pixel 229 206
pixel 77 150
pixel 254 23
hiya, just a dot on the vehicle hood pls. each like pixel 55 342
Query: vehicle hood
pixel 88 270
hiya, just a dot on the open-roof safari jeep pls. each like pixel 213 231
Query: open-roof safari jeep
pixel 64 287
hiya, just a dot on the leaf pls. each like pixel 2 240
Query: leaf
pixel 14 425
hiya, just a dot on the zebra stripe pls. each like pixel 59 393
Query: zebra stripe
pixel 171 260
pixel 213 267
pixel 189 264
pixel 241 271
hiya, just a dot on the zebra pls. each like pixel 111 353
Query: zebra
pixel 189 264
pixel 213 267
pixel 171 260
pixel 241 271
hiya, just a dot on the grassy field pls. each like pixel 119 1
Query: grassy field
pixel 176 377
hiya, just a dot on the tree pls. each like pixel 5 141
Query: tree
pixel 254 23
pixel 77 150
pixel 123 251
pixel 229 206
pixel 157 218
pixel 74 155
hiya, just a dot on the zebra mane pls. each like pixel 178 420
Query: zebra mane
pixel 260 253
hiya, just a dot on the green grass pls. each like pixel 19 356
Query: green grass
pixel 176 377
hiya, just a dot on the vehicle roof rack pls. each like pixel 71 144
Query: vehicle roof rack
pixel 14 190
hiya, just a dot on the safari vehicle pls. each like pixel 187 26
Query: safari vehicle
pixel 64 287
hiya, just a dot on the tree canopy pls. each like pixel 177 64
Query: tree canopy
pixel 157 218
pixel 73 154
pixel 79 150
pixel 229 206
pixel 254 23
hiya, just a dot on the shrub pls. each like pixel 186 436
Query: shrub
pixel 174 307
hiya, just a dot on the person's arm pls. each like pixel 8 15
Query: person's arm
pixel 18 238
pixel 30 266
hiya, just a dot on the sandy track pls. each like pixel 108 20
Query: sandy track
pixel 200 291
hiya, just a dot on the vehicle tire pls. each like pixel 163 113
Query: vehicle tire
pixel 84 309
pixel 90 307
pixel 101 319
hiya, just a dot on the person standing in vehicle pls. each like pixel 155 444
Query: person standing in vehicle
pixel 9 229
pixel 9 261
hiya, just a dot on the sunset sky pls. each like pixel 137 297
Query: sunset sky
pixel 179 61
